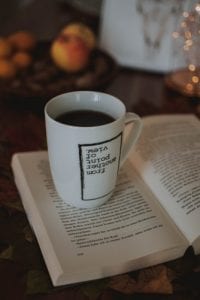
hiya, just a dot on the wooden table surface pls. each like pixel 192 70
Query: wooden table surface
pixel 22 271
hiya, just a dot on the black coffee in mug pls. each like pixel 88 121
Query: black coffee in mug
pixel 84 118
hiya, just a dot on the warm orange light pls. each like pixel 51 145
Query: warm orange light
pixel 195 79
pixel 185 14
pixel 175 34
pixel 189 87
pixel 188 35
pixel 192 67
pixel 183 24
pixel 197 8
pixel 189 43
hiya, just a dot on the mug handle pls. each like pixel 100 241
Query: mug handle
pixel 133 135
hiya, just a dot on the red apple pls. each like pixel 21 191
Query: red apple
pixel 70 53
pixel 81 30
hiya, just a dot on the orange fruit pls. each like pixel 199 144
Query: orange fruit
pixel 22 40
pixel 7 69
pixel 21 60
pixel 5 48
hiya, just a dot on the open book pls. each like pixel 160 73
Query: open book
pixel 152 217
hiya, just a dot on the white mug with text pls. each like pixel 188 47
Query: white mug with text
pixel 85 155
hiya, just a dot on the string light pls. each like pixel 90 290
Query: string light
pixel 192 67
pixel 189 34
pixel 186 80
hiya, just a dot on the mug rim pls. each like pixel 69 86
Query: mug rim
pixel 99 94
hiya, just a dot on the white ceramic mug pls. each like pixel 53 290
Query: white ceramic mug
pixel 84 161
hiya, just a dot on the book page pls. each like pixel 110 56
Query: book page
pixel 85 240
pixel 168 159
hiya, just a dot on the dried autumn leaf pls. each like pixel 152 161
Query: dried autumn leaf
pixel 28 234
pixel 13 206
pixel 154 280
pixel 94 288
pixel 7 253
pixel 124 284
pixel 37 282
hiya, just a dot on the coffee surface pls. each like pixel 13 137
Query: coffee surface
pixel 84 118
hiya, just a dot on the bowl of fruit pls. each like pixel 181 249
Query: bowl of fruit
pixel 32 71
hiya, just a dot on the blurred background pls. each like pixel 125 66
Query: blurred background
pixel 152 35
pixel 44 17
